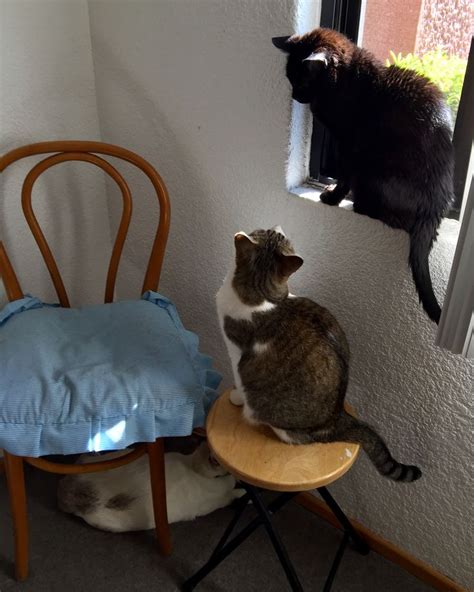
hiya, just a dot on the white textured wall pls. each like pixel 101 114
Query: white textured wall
pixel 198 89
pixel 47 92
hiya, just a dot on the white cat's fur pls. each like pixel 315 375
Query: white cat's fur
pixel 195 485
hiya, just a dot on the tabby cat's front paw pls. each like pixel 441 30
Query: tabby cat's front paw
pixel 236 397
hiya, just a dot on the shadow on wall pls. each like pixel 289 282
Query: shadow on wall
pixel 192 213
pixel 151 124
pixel 61 199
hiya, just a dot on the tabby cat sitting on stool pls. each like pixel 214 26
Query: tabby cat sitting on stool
pixel 290 357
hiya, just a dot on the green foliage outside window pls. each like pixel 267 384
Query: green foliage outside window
pixel 446 71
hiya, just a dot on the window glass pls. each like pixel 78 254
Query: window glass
pixel 432 37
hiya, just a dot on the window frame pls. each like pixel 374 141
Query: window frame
pixel 463 137
pixel 343 16
pixel 456 326
pixel 346 16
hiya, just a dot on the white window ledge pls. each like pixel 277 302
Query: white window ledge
pixel 314 194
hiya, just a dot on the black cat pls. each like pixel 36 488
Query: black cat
pixel 393 133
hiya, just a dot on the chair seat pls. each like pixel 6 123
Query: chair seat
pixel 99 377
pixel 255 454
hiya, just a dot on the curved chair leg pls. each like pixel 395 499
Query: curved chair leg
pixel 156 459
pixel 17 494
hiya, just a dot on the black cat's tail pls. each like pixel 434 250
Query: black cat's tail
pixel 350 429
pixel 421 240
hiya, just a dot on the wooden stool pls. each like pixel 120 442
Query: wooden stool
pixel 259 460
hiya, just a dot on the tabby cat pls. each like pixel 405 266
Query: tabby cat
pixel 392 129
pixel 289 355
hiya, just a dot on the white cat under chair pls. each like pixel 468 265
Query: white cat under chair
pixel 120 500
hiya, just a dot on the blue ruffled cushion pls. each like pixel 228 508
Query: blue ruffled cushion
pixel 99 377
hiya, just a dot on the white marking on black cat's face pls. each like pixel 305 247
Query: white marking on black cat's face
pixel 318 56
pixel 312 59
pixel 304 65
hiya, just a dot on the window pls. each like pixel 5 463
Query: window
pixel 433 37
pixel 430 36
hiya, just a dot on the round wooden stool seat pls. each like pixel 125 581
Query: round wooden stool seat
pixel 255 455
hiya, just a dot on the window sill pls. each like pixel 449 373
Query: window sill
pixel 449 227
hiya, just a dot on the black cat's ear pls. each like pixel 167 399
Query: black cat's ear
pixel 282 43
pixel 244 244
pixel 319 58
pixel 288 264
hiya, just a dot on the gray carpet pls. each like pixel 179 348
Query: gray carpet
pixel 67 555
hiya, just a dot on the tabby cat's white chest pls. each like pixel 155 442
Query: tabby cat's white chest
pixel 230 305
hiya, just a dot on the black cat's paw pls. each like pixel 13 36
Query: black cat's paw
pixel 332 195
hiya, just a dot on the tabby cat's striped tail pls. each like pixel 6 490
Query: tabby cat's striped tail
pixel 350 429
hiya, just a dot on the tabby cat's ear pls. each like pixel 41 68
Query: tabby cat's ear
pixel 282 43
pixel 288 264
pixel 244 244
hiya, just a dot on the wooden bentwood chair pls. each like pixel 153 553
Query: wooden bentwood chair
pixel 63 151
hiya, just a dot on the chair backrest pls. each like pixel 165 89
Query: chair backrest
pixel 63 151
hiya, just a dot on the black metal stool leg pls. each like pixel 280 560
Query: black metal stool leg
pixel 223 549
pixel 274 537
pixel 239 510
pixel 359 544
pixel 335 563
